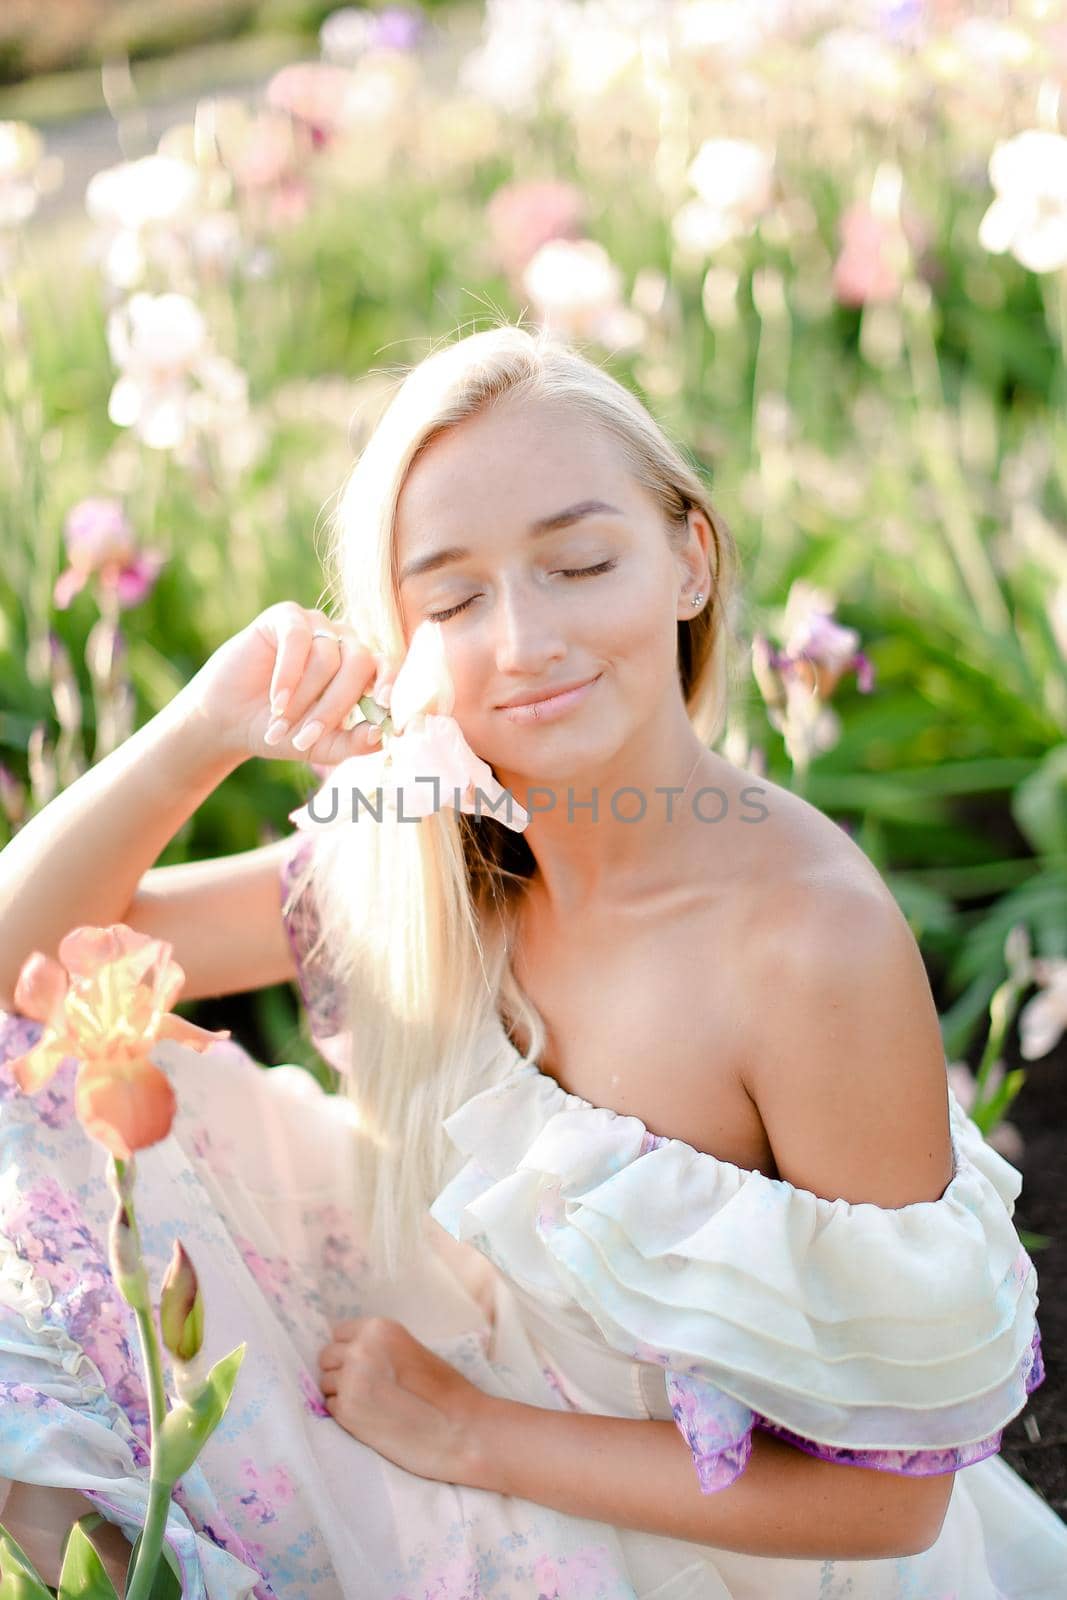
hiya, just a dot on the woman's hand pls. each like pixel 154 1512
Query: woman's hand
pixel 392 1393
pixel 276 690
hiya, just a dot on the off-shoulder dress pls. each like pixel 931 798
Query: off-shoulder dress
pixel 572 1260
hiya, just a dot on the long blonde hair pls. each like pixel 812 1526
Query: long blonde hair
pixel 414 916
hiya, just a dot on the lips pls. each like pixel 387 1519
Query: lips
pixel 548 693
pixel 552 708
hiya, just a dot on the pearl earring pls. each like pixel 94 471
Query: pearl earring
pixel 697 598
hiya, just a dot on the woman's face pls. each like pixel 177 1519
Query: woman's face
pixel 526 610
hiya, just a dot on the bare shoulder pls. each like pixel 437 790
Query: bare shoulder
pixel 844 1059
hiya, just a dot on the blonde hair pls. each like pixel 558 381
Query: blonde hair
pixel 415 916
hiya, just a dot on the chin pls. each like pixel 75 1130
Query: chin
pixel 550 756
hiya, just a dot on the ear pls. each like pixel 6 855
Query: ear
pixel 694 567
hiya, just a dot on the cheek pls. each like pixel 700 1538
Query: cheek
pixel 470 665
pixel 640 631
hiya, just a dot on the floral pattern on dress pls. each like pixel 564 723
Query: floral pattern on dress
pixel 448 1572
pixel 712 1423
pixel 313 1401
pixel 323 996
pixel 55 1102
pixel 342 1257
pixel 716 1427
pixel 44 1226
pixel 266 1491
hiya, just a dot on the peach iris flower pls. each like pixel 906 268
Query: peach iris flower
pixel 425 742
pixel 106 1002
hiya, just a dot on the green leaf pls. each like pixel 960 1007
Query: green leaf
pixel 191 1422
pixel 167 1581
pixel 1039 804
pixel 19 1580
pixel 83 1576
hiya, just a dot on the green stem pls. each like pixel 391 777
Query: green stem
pixel 159 1492
pixel 1001 1007
pixel 799 779
pixel 148 1554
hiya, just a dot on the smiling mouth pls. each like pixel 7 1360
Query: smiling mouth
pixel 552 705
pixel 542 699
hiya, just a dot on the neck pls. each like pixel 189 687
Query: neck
pixel 606 835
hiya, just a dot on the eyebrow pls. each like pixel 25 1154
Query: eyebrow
pixel 543 525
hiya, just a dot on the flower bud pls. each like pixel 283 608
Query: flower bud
pixel 181 1307
pixel 124 1254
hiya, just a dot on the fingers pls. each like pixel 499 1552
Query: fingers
pixel 343 1332
pixel 291 628
pixel 321 670
pixel 354 667
pixel 351 1327
pixel 331 748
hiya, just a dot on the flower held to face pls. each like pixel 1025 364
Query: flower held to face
pixel 421 742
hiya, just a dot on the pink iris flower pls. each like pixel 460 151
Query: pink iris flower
pixel 101 545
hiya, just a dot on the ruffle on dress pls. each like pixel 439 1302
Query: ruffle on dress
pixel 903 1339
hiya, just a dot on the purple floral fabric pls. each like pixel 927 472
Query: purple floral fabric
pixel 322 994
pixel 718 1430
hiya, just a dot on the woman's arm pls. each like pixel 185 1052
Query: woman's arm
pixel 81 858
pixel 639 1474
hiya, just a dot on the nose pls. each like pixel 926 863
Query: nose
pixel 527 637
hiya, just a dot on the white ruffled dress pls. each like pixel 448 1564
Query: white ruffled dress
pixel 573 1261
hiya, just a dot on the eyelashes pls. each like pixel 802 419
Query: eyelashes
pixel 571 572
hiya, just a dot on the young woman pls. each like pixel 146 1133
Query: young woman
pixel 648 1253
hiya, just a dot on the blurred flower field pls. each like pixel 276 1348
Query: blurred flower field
pixel 826 243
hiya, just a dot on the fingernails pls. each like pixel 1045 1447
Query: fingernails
pixel 279 702
pixel 307 736
pixel 276 731
pixel 374 733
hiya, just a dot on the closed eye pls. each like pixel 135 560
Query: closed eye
pixel 566 572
